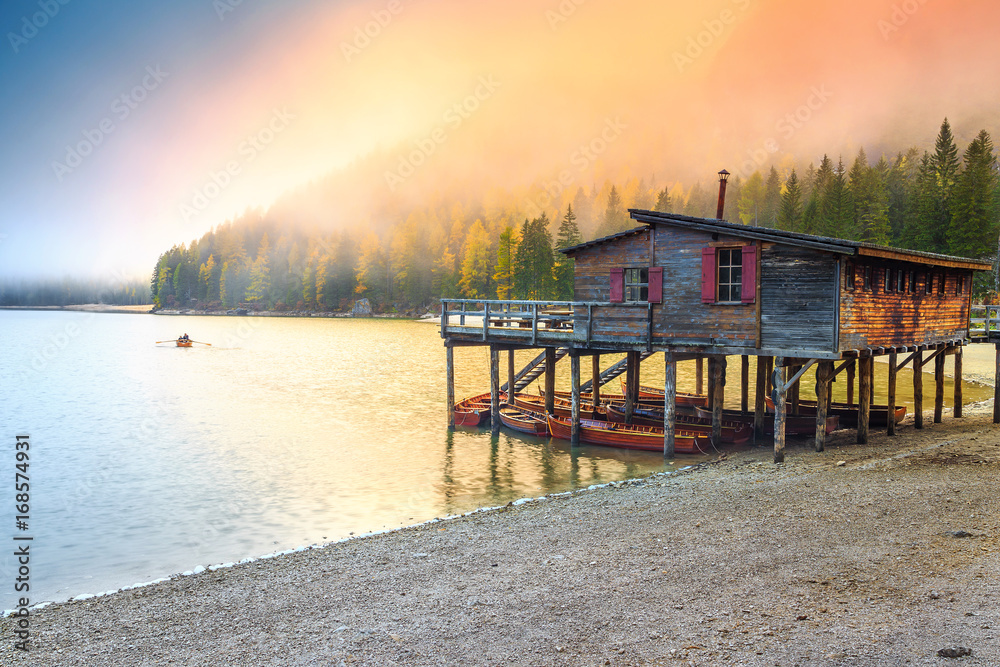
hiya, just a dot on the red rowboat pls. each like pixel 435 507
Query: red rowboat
pixel 878 415
pixel 526 422
pixel 653 394
pixel 475 410
pixel 794 424
pixel 734 432
pixel 561 406
pixel 621 436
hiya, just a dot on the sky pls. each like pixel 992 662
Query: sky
pixel 128 127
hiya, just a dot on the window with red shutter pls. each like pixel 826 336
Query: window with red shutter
pixel 708 275
pixel 617 285
pixel 749 287
pixel 655 284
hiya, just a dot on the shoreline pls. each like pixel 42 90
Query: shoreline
pixel 147 309
pixel 839 557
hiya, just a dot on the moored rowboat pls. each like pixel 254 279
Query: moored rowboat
pixel 794 424
pixel 526 422
pixel 878 415
pixel 475 410
pixel 653 394
pixel 621 436
pixel 734 432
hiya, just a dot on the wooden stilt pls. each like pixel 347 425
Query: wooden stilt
pixel 996 387
pixel 745 384
pixel 890 428
pixel 759 407
pixel 699 376
pixel 719 384
pixel 918 389
pixel 510 377
pixel 793 391
pixel 711 383
pixel 938 388
pixel 449 369
pixel 864 398
pixel 850 382
pixel 871 382
pixel 777 379
pixel 630 381
pixel 824 370
pixel 669 404
pixel 494 390
pixel 574 371
pixel 958 381
pixel 550 380
pixel 595 377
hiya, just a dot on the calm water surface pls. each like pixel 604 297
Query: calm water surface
pixel 150 460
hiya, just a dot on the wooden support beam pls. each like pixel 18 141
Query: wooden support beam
pixel 719 384
pixel 744 383
pixel 510 377
pixel 550 380
pixel 850 381
pixel 494 390
pixel 996 387
pixel 793 389
pixel 871 381
pixel 711 382
pixel 958 381
pixel 864 397
pixel 699 376
pixel 938 388
pixel 770 374
pixel 669 403
pixel 449 370
pixel 918 390
pixel 890 428
pixel 631 383
pixel 595 378
pixel 824 375
pixel 574 372
pixel 759 407
pixel 779 409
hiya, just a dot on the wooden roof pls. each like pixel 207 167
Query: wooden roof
pixel 827 244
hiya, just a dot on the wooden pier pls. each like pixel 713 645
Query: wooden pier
pixel 703 289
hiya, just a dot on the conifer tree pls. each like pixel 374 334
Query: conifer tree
pixel 663 201
pixel 751 200
pixel 569 235
pixel 973 228
pixel 772 200
pixel 615 217
pixel 790 216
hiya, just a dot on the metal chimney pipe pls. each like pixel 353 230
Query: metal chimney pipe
pixel 723 177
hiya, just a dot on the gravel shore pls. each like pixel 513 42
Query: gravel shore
pixel 880 554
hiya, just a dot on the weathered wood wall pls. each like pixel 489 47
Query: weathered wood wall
pixel 877 319
pixel 682 316
pixel 798 294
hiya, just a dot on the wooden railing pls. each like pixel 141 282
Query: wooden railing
pixel 987 325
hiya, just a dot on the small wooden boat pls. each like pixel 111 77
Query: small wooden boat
pixel 794 424
pixel 182 342
pixel 474 411
pixel 878 415
pixel 653 394
pixel 524 421
pixel 734 432
pixel 561 406
pixel 621 436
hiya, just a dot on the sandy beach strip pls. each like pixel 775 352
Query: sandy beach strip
pixel 881 554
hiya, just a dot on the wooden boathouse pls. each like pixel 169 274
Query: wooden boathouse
pixel 705 289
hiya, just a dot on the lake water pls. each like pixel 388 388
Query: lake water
pixel 149 460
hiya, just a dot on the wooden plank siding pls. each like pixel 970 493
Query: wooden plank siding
pixel 682 317
pixel 798 294
pixel 874 318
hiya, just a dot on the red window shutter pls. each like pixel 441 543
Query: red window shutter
pixel 617 285
pixel 749 286
pixel 708 275
pixel 655 292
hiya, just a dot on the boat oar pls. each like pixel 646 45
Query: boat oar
pixel 200 343
pixel 172 340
